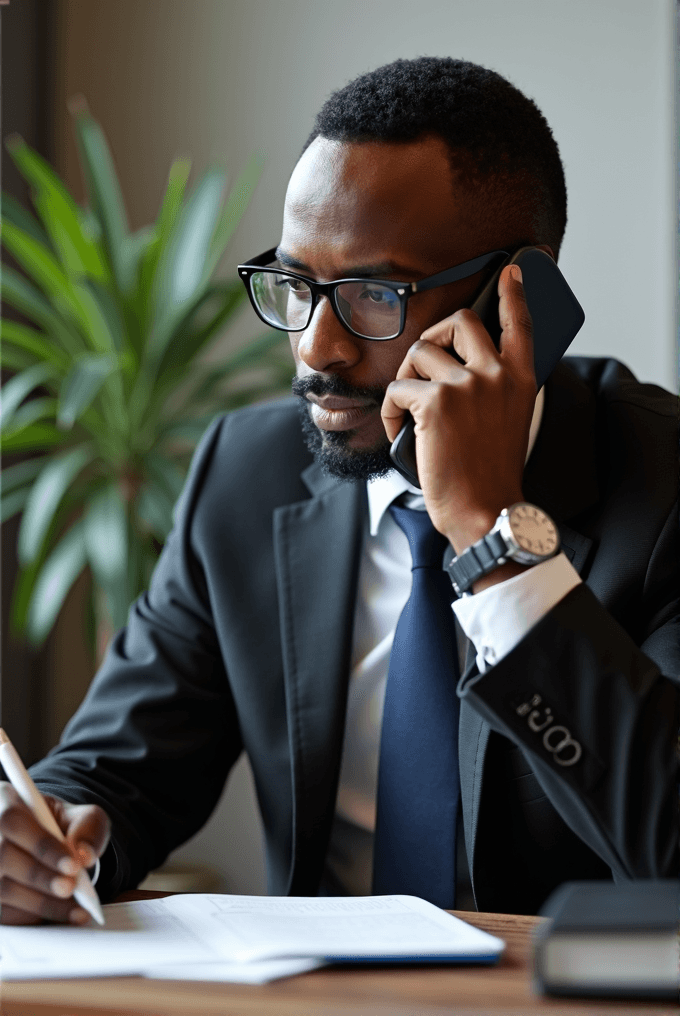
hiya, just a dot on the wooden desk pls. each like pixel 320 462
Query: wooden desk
pixel 430 991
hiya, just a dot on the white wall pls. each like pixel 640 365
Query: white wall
pixel 220 78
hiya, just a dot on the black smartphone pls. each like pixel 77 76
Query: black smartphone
pixel 555 312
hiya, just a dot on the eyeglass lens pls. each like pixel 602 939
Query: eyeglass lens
pixel 282 301
pixel 368 308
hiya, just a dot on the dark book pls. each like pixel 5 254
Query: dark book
pixel 609 940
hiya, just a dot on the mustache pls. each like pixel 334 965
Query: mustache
pixel 334 384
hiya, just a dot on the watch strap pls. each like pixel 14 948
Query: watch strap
pixel 477 560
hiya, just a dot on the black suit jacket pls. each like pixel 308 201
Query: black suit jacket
pixel 243 642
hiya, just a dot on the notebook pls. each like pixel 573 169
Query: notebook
pixel 605 939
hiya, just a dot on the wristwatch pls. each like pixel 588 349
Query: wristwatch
pixel 522 533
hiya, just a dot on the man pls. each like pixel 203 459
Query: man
pixel 271 621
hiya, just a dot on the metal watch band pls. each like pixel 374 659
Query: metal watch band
pixel 477 560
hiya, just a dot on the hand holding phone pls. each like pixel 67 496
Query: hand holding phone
pixel 557 317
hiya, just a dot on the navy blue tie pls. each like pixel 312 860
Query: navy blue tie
pixel 418 783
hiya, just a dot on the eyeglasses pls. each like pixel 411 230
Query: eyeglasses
pixel 368 308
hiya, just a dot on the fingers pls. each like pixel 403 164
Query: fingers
pixel 27 871
pixel 20 827
pixel 516 342
pixel 37 872
pixel 10 915
pixel 425 360
pixel 28 906
pixel 87 828
pixel 423 399
pixel 464 335
pixel 428 376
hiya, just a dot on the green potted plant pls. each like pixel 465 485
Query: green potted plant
pixel 111 389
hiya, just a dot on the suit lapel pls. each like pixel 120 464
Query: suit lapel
pixel 316 546
pixel 561 477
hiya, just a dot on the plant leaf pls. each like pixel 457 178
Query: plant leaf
pixel 26 579
pixel 254 352
pixel 235 206
pixel 22 472
pixel 21 595
pixel 138 243
pixel 17 388
pixel 170 209
pixel 173 198
pixel 104 326
pixel 193 336
pixel 81 385
pixel 57 575
pixel 257 353
pixel 35 258
pixel 105 194
pixel 106 541
pixel 32 411
pixel 21 295
pixel 34 342
pixel 191 429
pixel 108 336
pixel 16 359
pixel 91 227
pixel 59 213
pixel 136 246
pixel 106 535
pixel 46 495
pixel 13 502
pixel 36 437
pixel 14 212
pixel 165 474
pixel 154 507
pixel 47 272
pixel 181 267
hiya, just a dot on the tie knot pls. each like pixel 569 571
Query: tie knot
pixel 427 545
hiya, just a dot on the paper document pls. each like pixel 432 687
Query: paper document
pixel 144 933
pixel 257 972
pixel 209 928
pixel 337 928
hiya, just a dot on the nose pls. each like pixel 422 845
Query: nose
pixel 325 344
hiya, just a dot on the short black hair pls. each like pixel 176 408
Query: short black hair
pixel 499 141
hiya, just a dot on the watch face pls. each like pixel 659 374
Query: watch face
pixel 534 531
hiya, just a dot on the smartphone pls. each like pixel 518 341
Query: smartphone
pixel 555 312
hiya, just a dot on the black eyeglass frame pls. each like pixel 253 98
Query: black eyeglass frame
pixel 404 290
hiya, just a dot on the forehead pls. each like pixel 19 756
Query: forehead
pixel 357 203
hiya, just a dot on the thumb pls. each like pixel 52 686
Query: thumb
pixel 88 829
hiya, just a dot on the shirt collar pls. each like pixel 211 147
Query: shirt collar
pixel 383 491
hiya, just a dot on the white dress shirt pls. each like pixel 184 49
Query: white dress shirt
pixel 494 620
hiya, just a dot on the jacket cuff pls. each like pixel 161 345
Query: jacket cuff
pixel 499 617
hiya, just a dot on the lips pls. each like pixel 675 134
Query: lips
pixel 333 412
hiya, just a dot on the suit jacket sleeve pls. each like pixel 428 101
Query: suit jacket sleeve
pixel 597 717
pixel 157 732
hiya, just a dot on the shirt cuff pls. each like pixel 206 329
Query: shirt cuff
pixel 499 617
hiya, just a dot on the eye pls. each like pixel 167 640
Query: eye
pixel 292 285
pixel 378 294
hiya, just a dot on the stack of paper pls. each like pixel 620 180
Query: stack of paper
pixel 250 939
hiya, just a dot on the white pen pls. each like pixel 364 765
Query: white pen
pixel 17 775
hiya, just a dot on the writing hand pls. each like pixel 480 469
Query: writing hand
pixel 37 872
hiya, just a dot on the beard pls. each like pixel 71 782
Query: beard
pixel 331 448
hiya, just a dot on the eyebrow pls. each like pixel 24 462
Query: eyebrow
pixel 379 271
